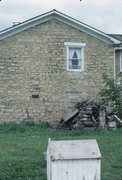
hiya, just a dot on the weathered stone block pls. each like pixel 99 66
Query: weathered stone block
pixel 35 61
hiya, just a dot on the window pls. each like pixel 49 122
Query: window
pixel 75 57
pixel 121 61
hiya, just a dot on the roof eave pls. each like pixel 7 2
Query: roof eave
pixel 25 25
pixel 63 18
pixel 86 29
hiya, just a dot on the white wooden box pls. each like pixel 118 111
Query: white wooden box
pixel 73 160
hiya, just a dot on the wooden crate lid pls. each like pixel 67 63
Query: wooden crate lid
pixel 74 149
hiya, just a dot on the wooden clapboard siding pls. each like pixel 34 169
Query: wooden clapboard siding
pixel 76 169
pixel 82 163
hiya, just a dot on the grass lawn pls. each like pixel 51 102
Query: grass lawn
pixel 22 147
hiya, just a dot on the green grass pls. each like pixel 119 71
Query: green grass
pixel 22 147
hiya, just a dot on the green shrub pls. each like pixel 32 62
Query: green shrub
pixel 111 95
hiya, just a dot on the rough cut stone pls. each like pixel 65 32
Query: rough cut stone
pixel 35 61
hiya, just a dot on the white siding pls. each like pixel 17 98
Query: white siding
pixel 49 170
pixel 84 169
pixel 73 160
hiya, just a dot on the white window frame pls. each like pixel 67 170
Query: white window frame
pixel 75 45
pixel 120 60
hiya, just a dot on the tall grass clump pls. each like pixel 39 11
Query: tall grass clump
pixel 24 126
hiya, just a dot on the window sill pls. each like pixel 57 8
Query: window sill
pixel 75 70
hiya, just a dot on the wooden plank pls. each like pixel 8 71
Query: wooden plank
pixel 70 115
pixel 74 149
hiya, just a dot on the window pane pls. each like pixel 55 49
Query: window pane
pixel 74 53
pixel 74 64
pixel 74 60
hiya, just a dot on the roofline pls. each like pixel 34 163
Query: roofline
pixel 63 18
pixel 91 28
pixel 21 23
pixel 113 35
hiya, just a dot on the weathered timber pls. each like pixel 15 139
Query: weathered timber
pixel 88 114
pixel 70 115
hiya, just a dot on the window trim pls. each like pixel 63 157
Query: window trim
pixel 120 57
pixel 121 60
pixel 75 45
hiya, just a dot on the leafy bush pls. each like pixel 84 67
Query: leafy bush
pixel 111 94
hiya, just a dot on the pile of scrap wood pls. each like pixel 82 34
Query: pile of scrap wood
pixel 88 114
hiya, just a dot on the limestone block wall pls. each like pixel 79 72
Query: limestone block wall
pixel 34 63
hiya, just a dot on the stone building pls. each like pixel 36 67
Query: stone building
pixel 49 62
